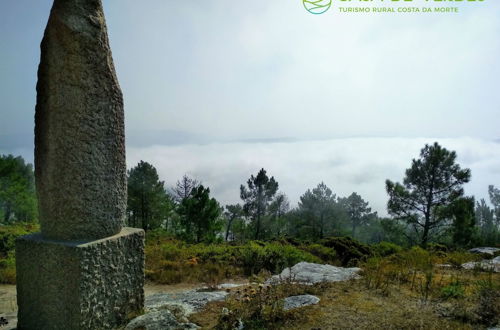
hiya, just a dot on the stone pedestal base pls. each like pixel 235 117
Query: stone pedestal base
pixel 79 285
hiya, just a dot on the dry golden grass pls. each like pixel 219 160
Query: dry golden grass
pixel 351 305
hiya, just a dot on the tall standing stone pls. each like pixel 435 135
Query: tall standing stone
pixel 79 134
pixel 83 271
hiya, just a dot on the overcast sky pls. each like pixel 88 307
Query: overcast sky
pixel 220 88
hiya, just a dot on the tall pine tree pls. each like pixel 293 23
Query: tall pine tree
pixel 433 183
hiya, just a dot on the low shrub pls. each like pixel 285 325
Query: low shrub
pixel 349 251
pixel 170 261
pixel 488 302
pixel 8 236
pixel 326 254
pixel 436 247
pixel 385 249
pixel 261 306
pixel 457 258
pixel 453 290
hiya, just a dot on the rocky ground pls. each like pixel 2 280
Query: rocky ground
pixel 8 302
pixel 345 303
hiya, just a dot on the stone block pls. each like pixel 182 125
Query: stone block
pixel 79 284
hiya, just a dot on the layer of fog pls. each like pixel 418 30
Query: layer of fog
pixel 345 165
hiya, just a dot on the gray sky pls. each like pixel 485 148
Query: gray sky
pixel 202 77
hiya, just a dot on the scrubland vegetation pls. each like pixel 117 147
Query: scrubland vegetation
pixel 411 261
pixel 399 287
pixel 409 289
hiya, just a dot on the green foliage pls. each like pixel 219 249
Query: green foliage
pixel 385 249
pixel 200 216
pixel 8 236
pixel 414 266
pixel 257 197
pixel 357 210
pixel 453 290
pixel 488 301
pixel 148 204
pixel 326 254
pixel 319 212
pixel 464 221
pixel 349 251
pixel 232 214
pixel 17 190
pixel 487 223
pixel 276 221
pixel 495 200
pixel 436 247
pixel 431 185
pixel 172 261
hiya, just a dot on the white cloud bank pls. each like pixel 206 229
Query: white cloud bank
pixel 345 165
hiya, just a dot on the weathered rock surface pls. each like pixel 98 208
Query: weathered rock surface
pixel 487 250
pixel 492 265
pixel 79 285
pixel 230 285
pixel 158 320
pixel 299 301
pixel 170 310
pixel 310 273
pixel 79 127
pixel 189 301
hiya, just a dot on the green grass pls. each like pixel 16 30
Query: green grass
pixel 8 235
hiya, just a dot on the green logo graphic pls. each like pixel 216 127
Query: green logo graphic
pixel 317 7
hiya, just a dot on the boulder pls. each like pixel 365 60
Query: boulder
pixel 486 250
pixel 189 301
pixel 299 301
pixel 158 320
pixel 170 310
pixel 486 265
pixel 310 273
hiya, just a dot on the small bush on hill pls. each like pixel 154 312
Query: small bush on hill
pixel 453 290
pixel 326 254
pixel 349 251
pixel 8 236
pixel 385 249
pixel 170 261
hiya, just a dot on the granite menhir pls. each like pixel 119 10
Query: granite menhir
pixel 83 271
pixel 79 127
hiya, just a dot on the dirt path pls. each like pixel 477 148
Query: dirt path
pixel 8 306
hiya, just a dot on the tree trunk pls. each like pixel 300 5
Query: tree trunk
pixel 228 228
pixel 425 234
pixel 257 225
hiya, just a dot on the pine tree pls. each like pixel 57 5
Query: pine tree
pixel 257 196
pixel 148 203
pixel 200 215
pixel 432 183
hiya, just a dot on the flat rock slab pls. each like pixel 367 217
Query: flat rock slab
pixel 191 301
pixel 492 265
pixel 230 285
pixel 299 301
pixel 158 320
pixel 169 310
pixel 487 250
pixel 310 273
